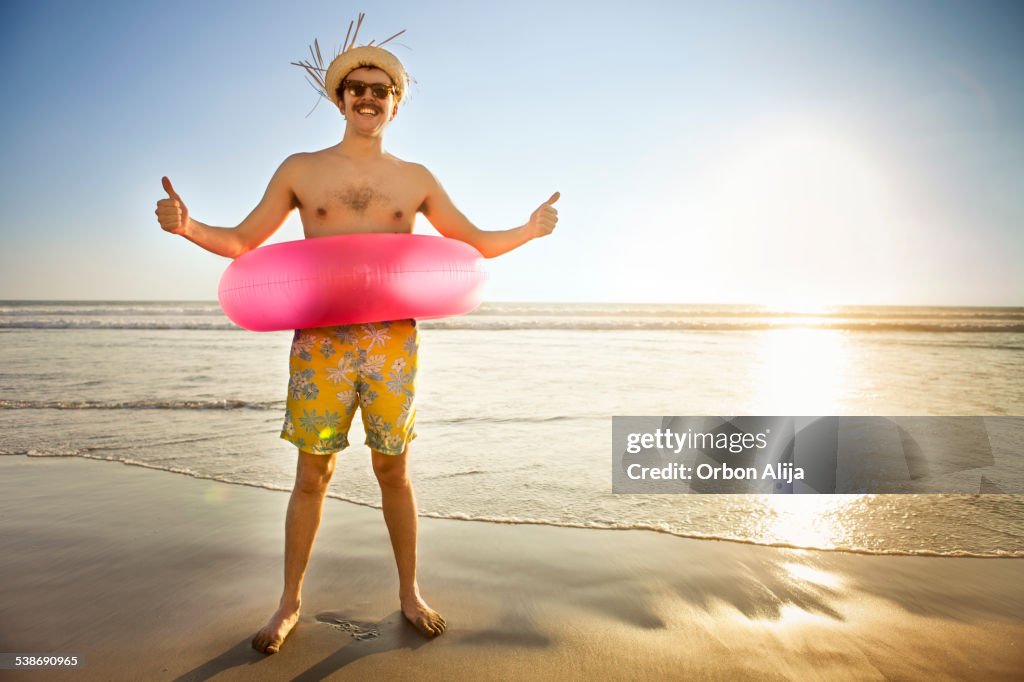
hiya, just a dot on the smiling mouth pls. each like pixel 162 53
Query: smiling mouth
pixel 367 110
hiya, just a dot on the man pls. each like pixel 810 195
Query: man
pixel 352 187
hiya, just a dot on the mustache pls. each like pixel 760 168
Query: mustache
pixel 373 105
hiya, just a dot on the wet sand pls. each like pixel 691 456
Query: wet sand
pixel 159 576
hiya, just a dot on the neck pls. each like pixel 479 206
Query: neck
pixel 361 146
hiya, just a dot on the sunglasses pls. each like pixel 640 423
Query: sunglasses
pixel 379 90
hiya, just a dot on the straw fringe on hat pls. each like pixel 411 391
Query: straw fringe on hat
pixel 326 81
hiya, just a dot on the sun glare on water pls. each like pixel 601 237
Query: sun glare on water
pixel 799 371
pixel 804 520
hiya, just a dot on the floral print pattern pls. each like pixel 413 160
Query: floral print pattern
pixel 335 369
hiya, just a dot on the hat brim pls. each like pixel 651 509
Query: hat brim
pixel 366 56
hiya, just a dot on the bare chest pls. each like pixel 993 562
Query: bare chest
pixel 343 198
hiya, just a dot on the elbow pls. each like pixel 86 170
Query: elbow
pixel 477 238
pixel 486 251
pixel 474 237
pixel 239 246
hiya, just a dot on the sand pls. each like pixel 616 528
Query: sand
pixel 150 575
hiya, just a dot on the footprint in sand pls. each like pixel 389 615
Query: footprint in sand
pixel 357 630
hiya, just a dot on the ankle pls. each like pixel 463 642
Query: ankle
pixel 289 604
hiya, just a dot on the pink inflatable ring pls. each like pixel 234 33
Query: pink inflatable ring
pixel 350 279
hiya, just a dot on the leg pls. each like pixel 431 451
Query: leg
pixel 399 505
pixel 304 511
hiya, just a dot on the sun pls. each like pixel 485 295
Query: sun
pixel 805 217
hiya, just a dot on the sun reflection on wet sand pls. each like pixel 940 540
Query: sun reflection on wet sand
pixel 809 574
pixel 790 619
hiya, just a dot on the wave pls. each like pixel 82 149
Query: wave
pixel 514 419
pixel 119 324
pixel 740 311
pixel 139 405
pixel 204 308
pixel 207 315
pixel 496 323
pixel 590 524
pixel 271 405
pixel 615 525
pixel 129 310
pixel 645 324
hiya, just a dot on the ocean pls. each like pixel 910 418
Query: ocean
pixel 515 404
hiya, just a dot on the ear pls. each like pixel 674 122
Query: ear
pixel 394 112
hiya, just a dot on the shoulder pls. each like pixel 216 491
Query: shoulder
pixel 416 172
pixel 421 174
pixel 292 164
pixel 299 165
pixel 289 175
pixel 300 159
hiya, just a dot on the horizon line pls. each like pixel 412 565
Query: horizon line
pixel 775 307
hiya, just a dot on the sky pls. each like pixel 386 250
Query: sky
pixel 788 153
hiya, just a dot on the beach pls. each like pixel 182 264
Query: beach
pixel 143 490
pixel 150 575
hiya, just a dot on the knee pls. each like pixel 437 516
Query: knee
pixel 390 471
pixel 313 484
pixel 314 474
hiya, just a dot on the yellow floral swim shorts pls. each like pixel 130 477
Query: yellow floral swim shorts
pixel 334 369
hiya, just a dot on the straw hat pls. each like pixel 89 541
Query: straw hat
pixel 368 55
pixel 326 81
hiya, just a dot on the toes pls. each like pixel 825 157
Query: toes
pixel 423 625
pixel 264 644
pixel 433 624
pixel 437 622
pixel 428 621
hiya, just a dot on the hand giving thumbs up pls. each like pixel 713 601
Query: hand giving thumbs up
pixel 172 212
pixel 542 221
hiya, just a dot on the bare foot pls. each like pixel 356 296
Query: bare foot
pixel 271 637
pixel 425 619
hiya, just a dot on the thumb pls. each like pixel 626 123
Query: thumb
pixel 170 189
pixel 554 198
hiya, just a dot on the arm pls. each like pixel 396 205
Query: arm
pixel 450 222
pixel 232 242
